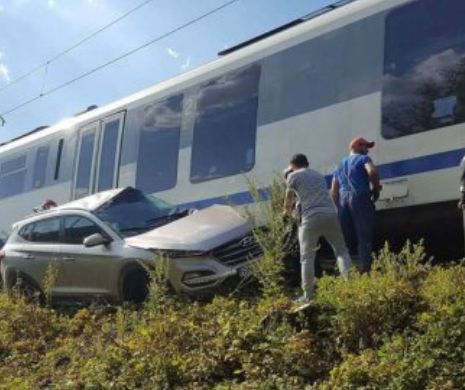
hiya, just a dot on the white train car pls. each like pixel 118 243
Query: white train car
pixel 392 71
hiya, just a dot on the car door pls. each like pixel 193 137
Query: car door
pixel 39 254
pixel 88 271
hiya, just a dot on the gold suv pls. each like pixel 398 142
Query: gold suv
pixel 100 246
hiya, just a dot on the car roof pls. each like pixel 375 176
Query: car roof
pixel 89 203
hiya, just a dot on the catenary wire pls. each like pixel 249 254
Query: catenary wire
pixel 76 45
pixel 116 59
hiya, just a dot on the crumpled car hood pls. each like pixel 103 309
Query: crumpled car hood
pixel 202 231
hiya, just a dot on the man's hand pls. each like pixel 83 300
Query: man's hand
pixel 335 190
pixel 374 179
pixel 375 193
pixel 289 201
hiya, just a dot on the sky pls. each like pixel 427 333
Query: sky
pixel 34 31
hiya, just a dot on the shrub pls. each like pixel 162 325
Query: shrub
pixel 401 327
pixel 428 355
pixel 270 231
pixel 371 306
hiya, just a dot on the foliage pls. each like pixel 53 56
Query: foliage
pixel 400 327
pixel 51 276
pixel 271 232
pixel 429 354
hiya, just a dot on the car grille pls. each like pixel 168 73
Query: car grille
pixel 238 251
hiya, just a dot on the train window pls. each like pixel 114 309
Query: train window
pixel 47 230
pixel 40 167
pixel 160 133
pixel 13 165
pixel 86 154
pixel 424 67
pixel 225 126
pixel 56 176
pixel 108 155
pixel 12 176
pixel 77 228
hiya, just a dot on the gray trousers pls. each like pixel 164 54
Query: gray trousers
pixel 320 225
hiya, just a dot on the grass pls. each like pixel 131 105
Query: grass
pixel 401 327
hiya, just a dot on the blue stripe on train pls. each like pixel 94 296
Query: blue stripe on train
pixel 432 162
pixel 412 166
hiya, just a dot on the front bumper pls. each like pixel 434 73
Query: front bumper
pixel 199 275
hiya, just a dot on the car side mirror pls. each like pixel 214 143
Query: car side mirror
pixel 96 239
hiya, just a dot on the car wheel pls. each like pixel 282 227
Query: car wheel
pixel 135 286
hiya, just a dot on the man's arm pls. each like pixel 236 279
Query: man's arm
pixel 335 190
pixel 374 179
pixel 462 186
pixel 289 200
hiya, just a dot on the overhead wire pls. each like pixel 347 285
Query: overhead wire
pixel 120 57
pixel 76 45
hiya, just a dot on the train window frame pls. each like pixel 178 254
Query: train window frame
pixel 434 102
pixel 87 174
pixel 167 134
pixel 105 124
pixel 227 103
pixel 39 173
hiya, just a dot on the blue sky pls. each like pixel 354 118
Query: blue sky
pixel 33 31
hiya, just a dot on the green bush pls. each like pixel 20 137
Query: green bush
pixel 401 327
pixel 270 233
pixel 367 308
pixel 429 354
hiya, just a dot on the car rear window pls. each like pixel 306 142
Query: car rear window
pixel 25 232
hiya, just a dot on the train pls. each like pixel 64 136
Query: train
pixel 392 71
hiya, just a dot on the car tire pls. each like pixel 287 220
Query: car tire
pixel 135 285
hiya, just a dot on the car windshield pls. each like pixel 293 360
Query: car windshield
pixel 132 212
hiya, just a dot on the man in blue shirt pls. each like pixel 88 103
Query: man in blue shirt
pixel 355 198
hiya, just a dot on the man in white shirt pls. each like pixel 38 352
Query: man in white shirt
pixel 318 219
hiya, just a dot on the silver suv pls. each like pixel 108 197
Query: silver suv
pixel 100 246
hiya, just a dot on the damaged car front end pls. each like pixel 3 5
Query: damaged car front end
pixel 204 249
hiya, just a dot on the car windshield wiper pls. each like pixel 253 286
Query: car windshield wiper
pixel 169 217
pixel 134 229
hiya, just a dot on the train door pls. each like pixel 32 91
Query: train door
pixel 98 156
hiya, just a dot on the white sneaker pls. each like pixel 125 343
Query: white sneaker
pixel 301 300
pixel 301 303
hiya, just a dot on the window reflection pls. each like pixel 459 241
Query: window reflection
pixel 160 128
pixel 108 155
pixel 77 228
pixel 86 154
pixel 12 176
pixel 225 126
pixel 40 167
pixel 424 70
